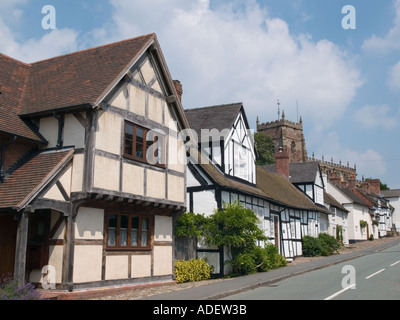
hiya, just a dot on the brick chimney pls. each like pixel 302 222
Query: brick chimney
pixel 374 185
pixel 282 159
pixel 335 180
pixel 352 183
pixel 179 89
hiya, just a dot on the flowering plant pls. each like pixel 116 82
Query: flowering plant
pixel 10 290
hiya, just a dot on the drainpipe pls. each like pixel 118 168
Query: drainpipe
pixel 60 119
pixel 3 153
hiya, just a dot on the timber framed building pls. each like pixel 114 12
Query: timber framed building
pixel 78 193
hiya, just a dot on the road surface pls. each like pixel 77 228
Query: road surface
pixel 375 276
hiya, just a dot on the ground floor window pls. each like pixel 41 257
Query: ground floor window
pixel 127 231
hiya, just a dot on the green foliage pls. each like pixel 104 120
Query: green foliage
pixel 265 148
pixel 192 270
pixel 190 224
pixel 339 234
pixel 371 237
pixel 363 224
pixel 324 245
pixel 257 259
pixel 235 226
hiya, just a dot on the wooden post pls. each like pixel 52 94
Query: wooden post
pixel 20 248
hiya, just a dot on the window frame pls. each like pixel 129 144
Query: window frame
pixel 128 247
pixel 146 144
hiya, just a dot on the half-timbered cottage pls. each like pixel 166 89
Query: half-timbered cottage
pixel 90 185
pixel 229 174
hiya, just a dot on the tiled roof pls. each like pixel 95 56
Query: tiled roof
pixel 23 184
pixel 333 202
pixel 278 188
pixel 13 75
pixel 69 81
pixel 391 193
pixel 79 78
pixel 270 186
pixel 215 117
pixel 300 172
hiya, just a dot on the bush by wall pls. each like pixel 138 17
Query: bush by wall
pixel 192 270
pixel 257 259
pixel 324 245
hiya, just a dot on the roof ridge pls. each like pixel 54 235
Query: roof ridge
pixel 215 106
pixel 16 60
pixel 93 48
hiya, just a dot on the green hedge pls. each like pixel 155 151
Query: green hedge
pixel 324 245
pixel 192 270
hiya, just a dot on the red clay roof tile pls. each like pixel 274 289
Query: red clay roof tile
pixel 17 189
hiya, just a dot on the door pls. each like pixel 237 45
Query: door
pixel 8 236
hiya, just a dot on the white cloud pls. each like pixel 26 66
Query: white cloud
pixel 369 162
pixel 376 116
pixel 237 52
pixel 51 44
pixel 394 77
pixel 391 40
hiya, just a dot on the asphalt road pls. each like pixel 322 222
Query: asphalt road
pixel 375 276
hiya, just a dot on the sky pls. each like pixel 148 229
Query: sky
pixel 337 69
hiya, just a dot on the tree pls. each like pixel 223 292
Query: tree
pixel 265 148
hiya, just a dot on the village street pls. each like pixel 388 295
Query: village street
pixel 369 257
pixel 377 277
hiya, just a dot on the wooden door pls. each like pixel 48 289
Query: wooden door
pixel 8 235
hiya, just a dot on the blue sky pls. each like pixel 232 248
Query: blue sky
pixel 346 83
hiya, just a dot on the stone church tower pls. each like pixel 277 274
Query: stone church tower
pixel 289 135
pixel 286 134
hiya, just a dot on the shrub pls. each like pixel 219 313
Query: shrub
pixel 311 247
pixel 9 290
pixel 192 270
pixel 371 237
pixel 324 245
pixel 257 259
pixel 329 243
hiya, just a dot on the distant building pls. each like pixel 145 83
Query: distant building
pixel 289 135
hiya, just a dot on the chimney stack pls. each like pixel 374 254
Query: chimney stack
pixel 179 89
pixel 282 159
pixel 374 186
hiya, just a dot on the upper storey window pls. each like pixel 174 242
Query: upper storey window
pixel 143 145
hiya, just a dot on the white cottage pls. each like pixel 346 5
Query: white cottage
pixel 359 210
pixel 393 196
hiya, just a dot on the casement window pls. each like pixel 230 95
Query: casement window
pixel 128 231
pixel 143 144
